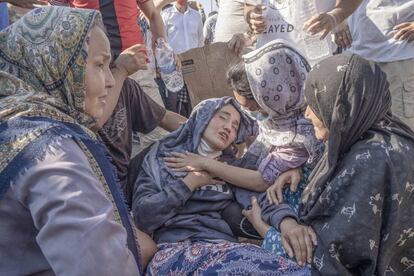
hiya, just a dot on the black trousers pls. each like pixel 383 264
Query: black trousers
pixel 178 102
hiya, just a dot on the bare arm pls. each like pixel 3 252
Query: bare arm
pixel 160 4
pixel 171 121
pixel 326 22
pixel 156 23
pixel 345 8
pixel 243 178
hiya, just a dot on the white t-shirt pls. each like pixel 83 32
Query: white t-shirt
pixel 230 20
pixel 282 22
pixel 371 26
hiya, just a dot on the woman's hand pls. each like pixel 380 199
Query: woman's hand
pixel 324 22
pixel 185 162
pixel 404 31
pixel 132 59
pixel 298 240
pixel 254 215
pixel 195 180
pixel 275 192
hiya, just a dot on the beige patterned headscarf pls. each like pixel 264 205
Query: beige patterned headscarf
pixel 43 62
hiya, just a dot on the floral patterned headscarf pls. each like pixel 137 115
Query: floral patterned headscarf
pixel 43 63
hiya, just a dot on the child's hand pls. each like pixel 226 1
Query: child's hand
pixel 275 192
pixel 254 215
pixel 185 162
pixel 298 240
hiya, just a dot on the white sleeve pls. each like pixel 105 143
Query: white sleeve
pixel 164 16
pixel 74 219
pixel 200 33
pixel 205 28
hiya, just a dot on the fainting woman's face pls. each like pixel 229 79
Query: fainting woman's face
pixel 321 132
pixel 221 132
pixel 99 78
pixel 249 104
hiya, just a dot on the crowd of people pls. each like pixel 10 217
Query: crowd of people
pixel 306 169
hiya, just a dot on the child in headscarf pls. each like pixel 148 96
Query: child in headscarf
pixel 270 88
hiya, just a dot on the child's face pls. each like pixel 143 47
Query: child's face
pixel 249 104
pixel 222 129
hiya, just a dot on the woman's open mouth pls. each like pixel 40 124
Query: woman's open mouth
pixel 223 136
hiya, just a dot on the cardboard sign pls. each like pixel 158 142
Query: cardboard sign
pixel 204 71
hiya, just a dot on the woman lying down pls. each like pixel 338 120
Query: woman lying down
pixel 183 210
pixel 269 85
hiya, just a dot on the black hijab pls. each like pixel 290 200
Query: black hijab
pixel 350 95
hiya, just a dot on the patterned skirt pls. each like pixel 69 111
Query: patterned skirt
pixel 219 258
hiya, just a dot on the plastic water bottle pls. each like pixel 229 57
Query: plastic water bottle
pixel 164 55
pixel 315 48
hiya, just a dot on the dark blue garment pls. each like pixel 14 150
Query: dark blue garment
pixel 46 131
pixel 162 203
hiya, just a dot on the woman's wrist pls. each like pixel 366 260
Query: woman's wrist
pixel 119 72
pixel 190 182
pixel 287 223
pixel 211 166
pixel 206 164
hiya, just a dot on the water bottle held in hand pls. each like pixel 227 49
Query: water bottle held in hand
pixel 315 48
pixel 164 55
